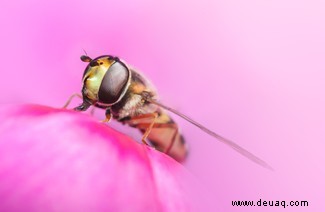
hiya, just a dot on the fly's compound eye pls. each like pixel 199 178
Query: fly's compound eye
pixel 114 83
pixel 85 58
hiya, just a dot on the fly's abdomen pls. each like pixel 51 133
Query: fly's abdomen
pixel 166 137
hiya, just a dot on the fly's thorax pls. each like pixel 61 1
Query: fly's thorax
pixel 106 80
pixel 132 105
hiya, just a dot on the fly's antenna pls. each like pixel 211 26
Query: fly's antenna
pixel 85 58
pixel 226 141
pixel 85 51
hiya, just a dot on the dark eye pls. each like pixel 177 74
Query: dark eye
pixel 114 84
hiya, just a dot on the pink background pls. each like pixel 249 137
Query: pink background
pixel 253 71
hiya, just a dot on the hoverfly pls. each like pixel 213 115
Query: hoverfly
pixel 109 83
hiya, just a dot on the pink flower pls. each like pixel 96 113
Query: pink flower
pixel 61 160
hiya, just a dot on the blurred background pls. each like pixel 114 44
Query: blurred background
pixel 253 71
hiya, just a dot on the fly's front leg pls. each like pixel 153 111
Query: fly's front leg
pixel 70 99
pixel 108 115
pixel 144 117
pixel 84 106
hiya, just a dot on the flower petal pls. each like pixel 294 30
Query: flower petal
pixel 60 160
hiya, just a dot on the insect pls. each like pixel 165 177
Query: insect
pixel 127 96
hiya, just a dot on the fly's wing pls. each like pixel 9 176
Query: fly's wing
pixel 226 141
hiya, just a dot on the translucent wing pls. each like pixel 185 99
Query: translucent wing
pixel 226 141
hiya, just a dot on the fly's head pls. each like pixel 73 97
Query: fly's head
pixel 105 81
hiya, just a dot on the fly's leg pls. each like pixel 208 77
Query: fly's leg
pixel 173 138
pixel 149 126
pixel 108 115
pixel 172 126
pixel 148 130
pixel 78 108
pixel 70 99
